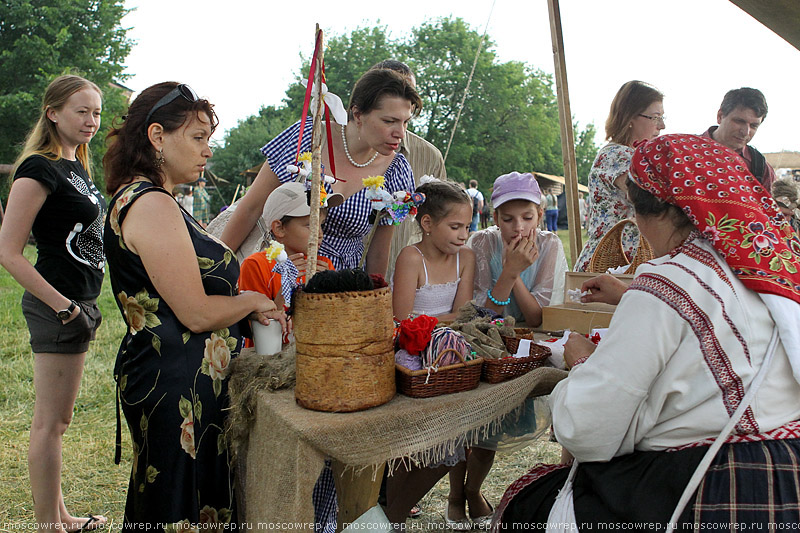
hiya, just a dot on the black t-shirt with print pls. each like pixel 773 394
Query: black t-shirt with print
pixel 69 227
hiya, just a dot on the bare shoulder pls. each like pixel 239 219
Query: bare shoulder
pixel 157 203
pixel 156 212
pixel 409 256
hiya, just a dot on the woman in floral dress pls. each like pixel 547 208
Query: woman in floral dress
pixel 176 288
pixel 637 114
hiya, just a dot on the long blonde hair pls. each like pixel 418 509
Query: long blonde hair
pixel 43 139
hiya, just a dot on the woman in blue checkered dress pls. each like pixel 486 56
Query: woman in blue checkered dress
pixel 381 105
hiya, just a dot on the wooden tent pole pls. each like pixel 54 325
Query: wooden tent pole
pixel 316 160
pixel 567 136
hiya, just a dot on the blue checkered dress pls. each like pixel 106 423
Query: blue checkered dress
pixel 346 226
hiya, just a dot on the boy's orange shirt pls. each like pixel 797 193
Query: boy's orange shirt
pixel 256 274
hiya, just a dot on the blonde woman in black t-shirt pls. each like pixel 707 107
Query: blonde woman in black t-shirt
pixel 53 196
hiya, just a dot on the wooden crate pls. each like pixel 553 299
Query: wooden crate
pixel 576 316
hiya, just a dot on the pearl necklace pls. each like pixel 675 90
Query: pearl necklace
pixel 350 158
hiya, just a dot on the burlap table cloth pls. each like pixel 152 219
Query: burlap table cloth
pixel 287 444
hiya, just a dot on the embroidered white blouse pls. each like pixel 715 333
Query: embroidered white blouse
pixel 683 346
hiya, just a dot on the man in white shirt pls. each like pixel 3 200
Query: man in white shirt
pixel 477 204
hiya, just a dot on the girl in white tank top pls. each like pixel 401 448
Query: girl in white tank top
pixel 435 276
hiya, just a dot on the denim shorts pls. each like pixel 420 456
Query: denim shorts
pixel 49 335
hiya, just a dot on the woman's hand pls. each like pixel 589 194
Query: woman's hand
pixel 604 288
pixel 577 347
pixel 73 316
pixel 321 265
pixel 266 310
pixel 275 314
pixel 300 260
pixel 520 253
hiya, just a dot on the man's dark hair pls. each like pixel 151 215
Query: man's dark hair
pixel 393 64
pixel 745 97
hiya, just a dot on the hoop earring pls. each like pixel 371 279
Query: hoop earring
pixel 159 158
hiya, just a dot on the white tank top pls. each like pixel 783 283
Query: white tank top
pixel 435 300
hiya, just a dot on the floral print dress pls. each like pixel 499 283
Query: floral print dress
pixel 607 203
pixel 172 385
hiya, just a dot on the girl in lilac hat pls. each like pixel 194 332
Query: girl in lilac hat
pixel 518 270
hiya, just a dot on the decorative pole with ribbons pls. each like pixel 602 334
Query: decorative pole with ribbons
pixel 308 165
pixel 316 155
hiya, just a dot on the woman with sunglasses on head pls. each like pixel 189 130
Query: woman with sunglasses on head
pixel 53 195
pixel 637 114
pixel 176 287
pixel 364 144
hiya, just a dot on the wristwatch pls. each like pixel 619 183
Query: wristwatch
pixel 64 314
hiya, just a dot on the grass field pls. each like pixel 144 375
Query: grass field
pixel 91 480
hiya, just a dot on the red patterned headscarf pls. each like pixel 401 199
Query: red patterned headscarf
pixel 712 185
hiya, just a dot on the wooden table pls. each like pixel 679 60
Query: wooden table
pixel 287 445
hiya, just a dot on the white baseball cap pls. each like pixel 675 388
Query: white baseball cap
pixel 291 200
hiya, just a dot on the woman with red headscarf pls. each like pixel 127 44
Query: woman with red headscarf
pixel 687 411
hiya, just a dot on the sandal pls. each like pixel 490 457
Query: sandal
pixel 457 525
pixel 483 522
pixel 87 526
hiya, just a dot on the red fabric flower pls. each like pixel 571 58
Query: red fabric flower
pixel 378 281
pixel 415 333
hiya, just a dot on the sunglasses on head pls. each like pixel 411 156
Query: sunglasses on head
pixel 181 90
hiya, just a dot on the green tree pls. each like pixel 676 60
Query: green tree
pixel 240 149
pixel 509 121
pixel 585 152
pixel 346 57
pixel 510 116
pixel 40 40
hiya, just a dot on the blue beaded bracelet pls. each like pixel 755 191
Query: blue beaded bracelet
pixel 496 301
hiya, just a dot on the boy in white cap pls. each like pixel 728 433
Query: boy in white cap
pixel 287 215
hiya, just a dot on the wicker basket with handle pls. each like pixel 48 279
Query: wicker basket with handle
pixel 498 370
pixel 427 383
pixel 344 361
pixel 610 254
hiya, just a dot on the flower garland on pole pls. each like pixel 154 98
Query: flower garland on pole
pixel 396 206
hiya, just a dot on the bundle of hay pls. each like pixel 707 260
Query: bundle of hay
pixel 484 331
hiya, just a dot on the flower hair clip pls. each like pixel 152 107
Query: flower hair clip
pixel 384 204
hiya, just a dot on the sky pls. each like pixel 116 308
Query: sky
pixel 243 54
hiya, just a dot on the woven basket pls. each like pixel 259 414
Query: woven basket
pixel 345 356
pixel 427 383
pixel 522 333
pixel 498 370
pixel 610 254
